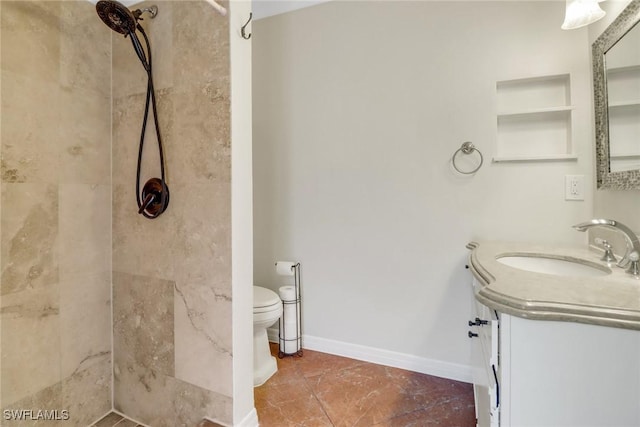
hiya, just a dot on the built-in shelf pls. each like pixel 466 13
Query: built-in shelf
pixel 535 111
pixel 623 92
pixel 623 69
pixel 534 119
pixel 625 155
pixel 621 104
pixel 558 157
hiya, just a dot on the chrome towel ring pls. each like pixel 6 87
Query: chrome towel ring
pixel 467 148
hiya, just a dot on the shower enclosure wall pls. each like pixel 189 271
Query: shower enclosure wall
pixel 100 307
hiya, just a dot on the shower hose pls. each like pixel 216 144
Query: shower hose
pixel 161 193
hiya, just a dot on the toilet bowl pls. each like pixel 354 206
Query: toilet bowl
pixel 267 309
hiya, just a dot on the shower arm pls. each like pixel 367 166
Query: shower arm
pixel 152 10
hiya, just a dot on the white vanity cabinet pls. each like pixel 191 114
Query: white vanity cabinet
pixel 484 330
pixel 553 373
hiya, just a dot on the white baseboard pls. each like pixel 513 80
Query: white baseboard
pixel 251 420
pixel 394 359
pixel 272 334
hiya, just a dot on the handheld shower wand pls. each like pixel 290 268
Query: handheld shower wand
pixel 153 200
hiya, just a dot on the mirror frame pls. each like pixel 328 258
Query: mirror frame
pixel 624 180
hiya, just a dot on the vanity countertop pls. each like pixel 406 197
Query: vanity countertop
pixel 611 300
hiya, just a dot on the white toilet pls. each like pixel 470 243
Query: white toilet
pixel 267 309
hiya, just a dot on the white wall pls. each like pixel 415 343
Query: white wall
pixel 358 108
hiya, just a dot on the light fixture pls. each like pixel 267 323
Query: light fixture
pixel 581 12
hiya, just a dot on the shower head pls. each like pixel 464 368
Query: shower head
pixel 117 16
pixel 124 21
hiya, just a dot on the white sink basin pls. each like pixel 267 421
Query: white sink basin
pixel 549 264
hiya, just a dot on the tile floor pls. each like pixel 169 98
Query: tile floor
pixel 113 419
pixel 116 420
pixel 318 390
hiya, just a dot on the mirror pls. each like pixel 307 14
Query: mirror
pixel 616 80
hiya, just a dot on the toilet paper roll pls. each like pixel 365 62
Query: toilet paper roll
pixel 288 337
pixel 289 347
pixel 289 312
pixel 290 306
pixel 289 320
pixel 289 329
pixel 287 293
pixel 285 268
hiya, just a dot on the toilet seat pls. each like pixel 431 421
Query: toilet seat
pixel 265 300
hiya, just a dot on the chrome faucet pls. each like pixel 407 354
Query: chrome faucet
pixel 608 256
pixel 632 254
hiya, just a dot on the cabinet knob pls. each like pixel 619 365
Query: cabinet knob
pixel 478 322
pixel 471 334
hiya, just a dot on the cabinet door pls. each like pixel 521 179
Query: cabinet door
pixel 571 375
pixel 485 364
pixel 483 412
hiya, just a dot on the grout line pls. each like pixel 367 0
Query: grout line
pixel 126 417
pixel 113 359
pixel 313 393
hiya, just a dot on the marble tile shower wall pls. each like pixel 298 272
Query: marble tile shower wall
pixel 55 210
pixel 172 275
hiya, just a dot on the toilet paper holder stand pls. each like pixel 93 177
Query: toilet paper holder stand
pixel 282 333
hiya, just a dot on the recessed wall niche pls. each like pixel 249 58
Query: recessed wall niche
pixel 623 87
pixel 534 119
